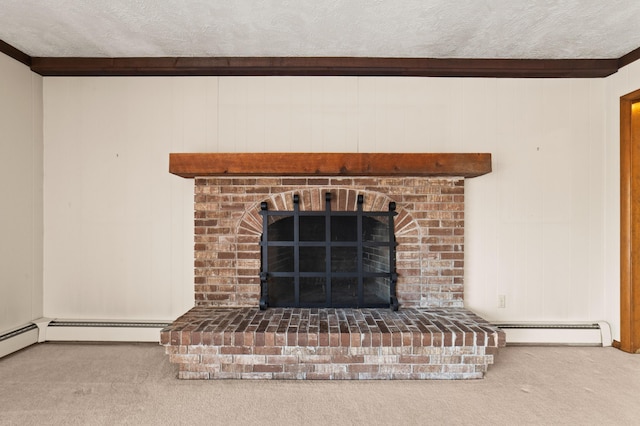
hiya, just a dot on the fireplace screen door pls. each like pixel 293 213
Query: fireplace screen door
pixel 342 259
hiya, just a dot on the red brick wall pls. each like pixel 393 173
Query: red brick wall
pixel 429 230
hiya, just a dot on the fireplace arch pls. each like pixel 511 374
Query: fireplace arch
pixel 407 231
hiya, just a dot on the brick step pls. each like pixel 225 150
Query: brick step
pixel 299 343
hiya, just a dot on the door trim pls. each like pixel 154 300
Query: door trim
pixel 630 223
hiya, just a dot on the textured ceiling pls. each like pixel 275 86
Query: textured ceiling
pixel 521 29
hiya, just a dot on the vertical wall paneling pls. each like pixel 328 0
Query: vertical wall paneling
pixel 232 116
pixel 598 293
pixel 277 118
pixel 300 130
pixel 478 113
pixel 194 113
pixel 21 185
pixel 37 193
pixel 110 251
pixel 533 226
pixel 334 106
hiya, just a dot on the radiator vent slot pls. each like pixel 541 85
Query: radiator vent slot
pixel 17 332
pixel 108 324
pixel 578 333
pixel 551 326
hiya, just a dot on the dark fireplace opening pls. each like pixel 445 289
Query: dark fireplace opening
pixel 338 259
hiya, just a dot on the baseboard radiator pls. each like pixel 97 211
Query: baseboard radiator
pixel 578 334
pixel 47 330
pixel 17 339
pixel 105 331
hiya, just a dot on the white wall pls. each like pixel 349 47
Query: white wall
pixel 118 240
pixel 20 194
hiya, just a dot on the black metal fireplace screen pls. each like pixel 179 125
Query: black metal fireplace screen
pixel 338 259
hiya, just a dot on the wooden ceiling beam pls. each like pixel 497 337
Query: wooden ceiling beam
pixel 630 57
pixel 321 66
pixel 325 66
pixel 14 53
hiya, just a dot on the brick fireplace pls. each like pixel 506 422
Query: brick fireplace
pixel 432 335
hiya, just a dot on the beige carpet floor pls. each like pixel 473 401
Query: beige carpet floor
pixel 107 384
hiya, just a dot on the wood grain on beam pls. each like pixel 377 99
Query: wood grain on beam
pixel 328 164
pixel 325 66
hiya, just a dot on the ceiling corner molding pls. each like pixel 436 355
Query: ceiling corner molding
pixel 321 66
pixel 630 57
pixel 325 66
pixel 14 53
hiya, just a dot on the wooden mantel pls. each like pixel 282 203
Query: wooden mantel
pixel 329 164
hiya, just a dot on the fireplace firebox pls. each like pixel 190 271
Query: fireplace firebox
pixel 328 259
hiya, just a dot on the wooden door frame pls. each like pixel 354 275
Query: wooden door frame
pixel 629 223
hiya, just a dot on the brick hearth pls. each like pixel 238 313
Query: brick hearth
pixel 298 343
